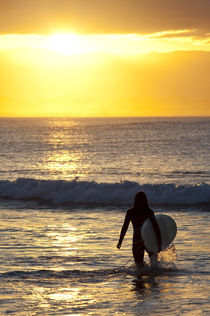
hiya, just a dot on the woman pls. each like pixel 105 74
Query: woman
pixel 137 215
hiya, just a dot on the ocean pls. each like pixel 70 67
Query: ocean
pixel 65 186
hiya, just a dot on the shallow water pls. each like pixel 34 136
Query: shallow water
pixel 65 261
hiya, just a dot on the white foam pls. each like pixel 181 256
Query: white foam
pixel 84 192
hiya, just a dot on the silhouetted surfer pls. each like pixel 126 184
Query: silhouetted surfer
pixel 137 215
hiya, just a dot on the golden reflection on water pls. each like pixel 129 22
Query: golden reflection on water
pixel 61 297
pixel 64 239
pixel 84 295
pixel 62 162
pixel 66 294
pixel 73 295
pixel 64 155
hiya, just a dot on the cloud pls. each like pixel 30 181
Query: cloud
pixel 172 33
pixel 193 34
pixel 104 16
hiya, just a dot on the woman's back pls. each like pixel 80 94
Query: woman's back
pixel 138 216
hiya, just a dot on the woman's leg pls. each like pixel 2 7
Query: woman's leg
pixel 138 253
pixel 153 257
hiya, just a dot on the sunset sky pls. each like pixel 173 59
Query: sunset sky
pixel 104 58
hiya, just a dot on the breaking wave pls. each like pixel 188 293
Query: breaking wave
pixel 108 194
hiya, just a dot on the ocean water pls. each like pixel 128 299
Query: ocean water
pixel 65 185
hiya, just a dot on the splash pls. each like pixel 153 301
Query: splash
pixel 167 257
pixel 162 263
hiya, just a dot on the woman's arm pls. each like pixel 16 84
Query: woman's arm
pixel 124 229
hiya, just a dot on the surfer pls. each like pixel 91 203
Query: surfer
pixel 137 215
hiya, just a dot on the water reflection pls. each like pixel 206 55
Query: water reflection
pixel 66 235
pixel 145 285
pixel 63 163
pixel 66 294
pixel 64 150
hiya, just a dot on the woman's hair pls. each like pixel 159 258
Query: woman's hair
pixel 140 201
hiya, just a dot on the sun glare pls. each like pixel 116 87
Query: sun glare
pixel 68 44
pixel 115 44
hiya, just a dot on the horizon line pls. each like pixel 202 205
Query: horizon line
pixel 127 116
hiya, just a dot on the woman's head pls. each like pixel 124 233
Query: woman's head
pixel 140 201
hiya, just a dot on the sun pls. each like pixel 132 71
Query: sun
pixel 68 44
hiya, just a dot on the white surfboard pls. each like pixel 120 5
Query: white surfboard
pixel 168 230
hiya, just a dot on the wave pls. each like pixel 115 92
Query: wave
pixel 74 275
pixel 89 275
pixel 76 192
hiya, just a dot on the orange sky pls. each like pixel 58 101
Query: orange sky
pixel 104 58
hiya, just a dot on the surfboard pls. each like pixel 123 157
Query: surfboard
pixel 168 230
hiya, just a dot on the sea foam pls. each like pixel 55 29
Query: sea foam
pixel 108 194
